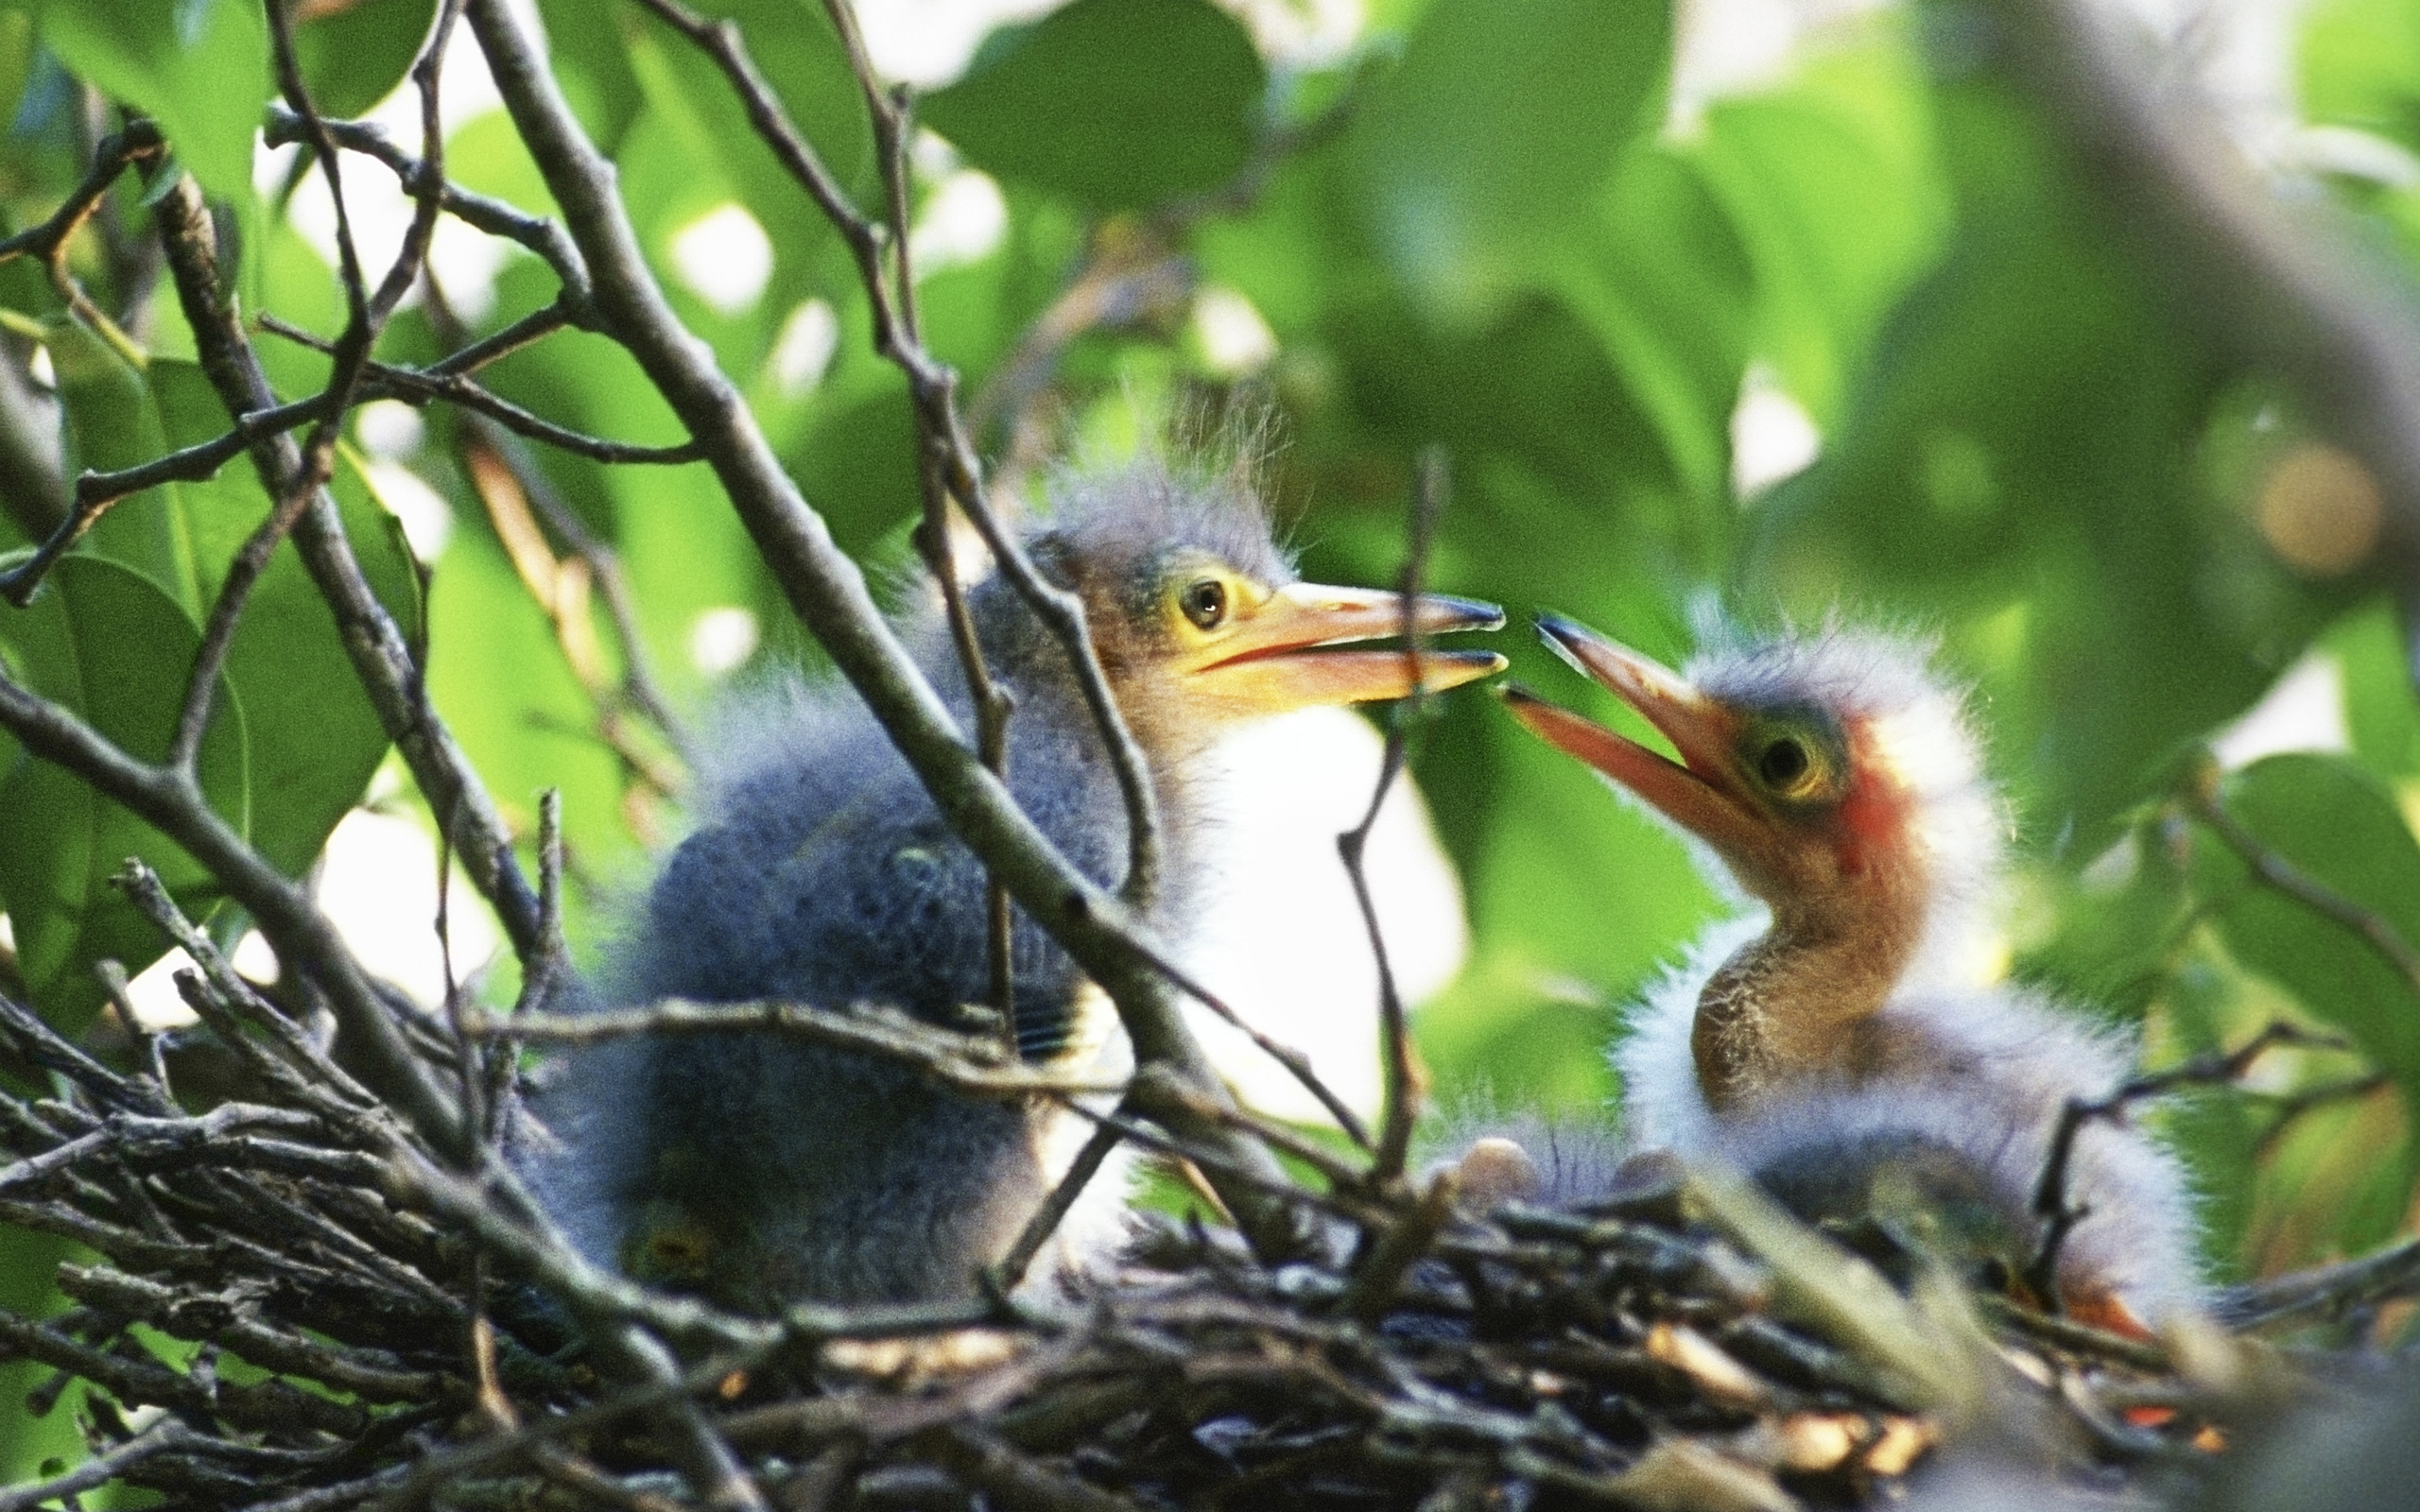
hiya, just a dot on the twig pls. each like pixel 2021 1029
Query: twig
pixel 2201 794
pixel 2051 1191
pixel 959 1060
pixel 139 142
pixel 383 662
pixel 1406 1082
pixel 1132 272
pixel 639 689
pixel 1398 1250
pixel 2326 1294
pixel 2284 288
pixel 535 232
pixel 351 356
pixel 161 1437
pixel 1046 1218
pixel 561 590
pixel 2289 1107
pixel 418 386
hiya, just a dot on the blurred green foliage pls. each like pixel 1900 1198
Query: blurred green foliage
pixel 1491 227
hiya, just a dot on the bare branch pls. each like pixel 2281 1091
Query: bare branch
pixel 159 1438
pixel 2051 1192
pixel 970 1063
pixel 1406 1083
pixel 385 663
pixel 139 142
pixel 418 386
pixel 2200 791
pixel 2327 1293
pixel 536 234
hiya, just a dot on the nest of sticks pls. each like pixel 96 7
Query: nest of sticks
pixel 287 1300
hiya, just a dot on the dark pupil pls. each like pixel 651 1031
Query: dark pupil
pixel 1205 603
pixel 1783 763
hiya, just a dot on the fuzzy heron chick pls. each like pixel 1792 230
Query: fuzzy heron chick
pixel 760 1169
pixel 1837 1042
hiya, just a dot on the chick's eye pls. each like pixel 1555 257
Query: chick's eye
pixel 1204 603
pixel 1783 763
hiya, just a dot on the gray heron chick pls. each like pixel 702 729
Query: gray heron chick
pixel 759 1170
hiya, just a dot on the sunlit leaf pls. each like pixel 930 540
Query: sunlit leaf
pixel 1496 129
pixel 200 67
pixel 2336 825
pixel 353 55
pixel 1119 104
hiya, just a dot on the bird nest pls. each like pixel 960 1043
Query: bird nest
pixel 290 1301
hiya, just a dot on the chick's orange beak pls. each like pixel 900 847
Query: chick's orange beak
pixel 1696 792
pixel 1273 659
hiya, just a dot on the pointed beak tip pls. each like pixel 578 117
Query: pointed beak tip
pixel 1458 615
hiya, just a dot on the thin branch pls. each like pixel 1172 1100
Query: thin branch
pixel 139 142
pixel 1406 1083
pixel 383 662
pixel 418 386
pixel 1054 1209
pixel 96 492
pixel 369 313
pixel 970 1063
pixel 33 486
pixel 1399 1247
pixel 639 688
pixel 2327 1293
pixel 174 804
pixel 536 234
pixel 2291 1107
pixel 2051 1191
pixel 932 385
pixel 2201 794
pixel 159 1438
pixel 1133 272
pixel 2272 279
pixel 561 590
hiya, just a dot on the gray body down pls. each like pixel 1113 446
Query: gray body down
pixel 763 1169
pixel 759 1170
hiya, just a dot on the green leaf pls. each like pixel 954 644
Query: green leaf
pixel 1662 278
pixel 2334 823
pixel 199 67
pixel 497 674
pixel 1119 104
pixel 110 647
pixel 1496 129
pixel 111 424
pixel 354 56
pixel 1831 184
pixel 2360 66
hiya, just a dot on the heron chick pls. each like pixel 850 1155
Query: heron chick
pixel 1837 1042
pixel 760 1169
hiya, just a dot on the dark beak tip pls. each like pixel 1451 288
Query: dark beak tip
pixel 1470 613
pixel 1560 630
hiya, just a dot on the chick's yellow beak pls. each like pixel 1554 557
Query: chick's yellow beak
pixel 1274 657
pixel 1698 792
